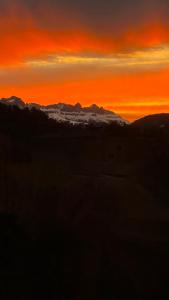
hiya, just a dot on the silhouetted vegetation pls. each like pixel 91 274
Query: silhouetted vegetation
pixel 84 210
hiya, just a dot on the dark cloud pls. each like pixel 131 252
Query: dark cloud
pixel 82 26
pixel 95 15
pixel 99 15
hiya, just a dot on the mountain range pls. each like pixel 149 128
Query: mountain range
pixel 74 114
pixel 93 114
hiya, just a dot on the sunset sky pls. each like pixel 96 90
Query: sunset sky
pixel 114 53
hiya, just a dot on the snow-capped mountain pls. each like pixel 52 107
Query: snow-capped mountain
pixel 74 114
pixel 13 101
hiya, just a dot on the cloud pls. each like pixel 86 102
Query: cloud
pixel 33 28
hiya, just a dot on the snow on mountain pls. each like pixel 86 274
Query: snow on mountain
pixel 13 101
pixel 74 114
pixel 82 116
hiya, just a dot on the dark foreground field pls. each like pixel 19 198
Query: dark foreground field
pixel 84 212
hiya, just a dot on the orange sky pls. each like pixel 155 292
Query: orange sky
pixel 47 61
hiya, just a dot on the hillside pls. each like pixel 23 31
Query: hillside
pixel 84 211
pixel 153 121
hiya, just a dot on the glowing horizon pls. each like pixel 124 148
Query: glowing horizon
pixel 114 54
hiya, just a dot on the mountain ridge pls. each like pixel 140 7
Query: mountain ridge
pixel 74 114
pixel 160 120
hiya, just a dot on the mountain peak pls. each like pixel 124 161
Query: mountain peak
pixel 13 100
pixel 94 106
pixel 78 105
pixel 74 114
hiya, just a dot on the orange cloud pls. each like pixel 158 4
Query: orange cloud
pixel 148 35
pixel 22 39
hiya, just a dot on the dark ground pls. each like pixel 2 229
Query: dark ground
pixel 84 213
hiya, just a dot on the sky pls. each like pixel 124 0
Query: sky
pixel 114 53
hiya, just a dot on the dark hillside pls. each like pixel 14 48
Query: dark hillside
pixel 84 211
pixel 157 120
